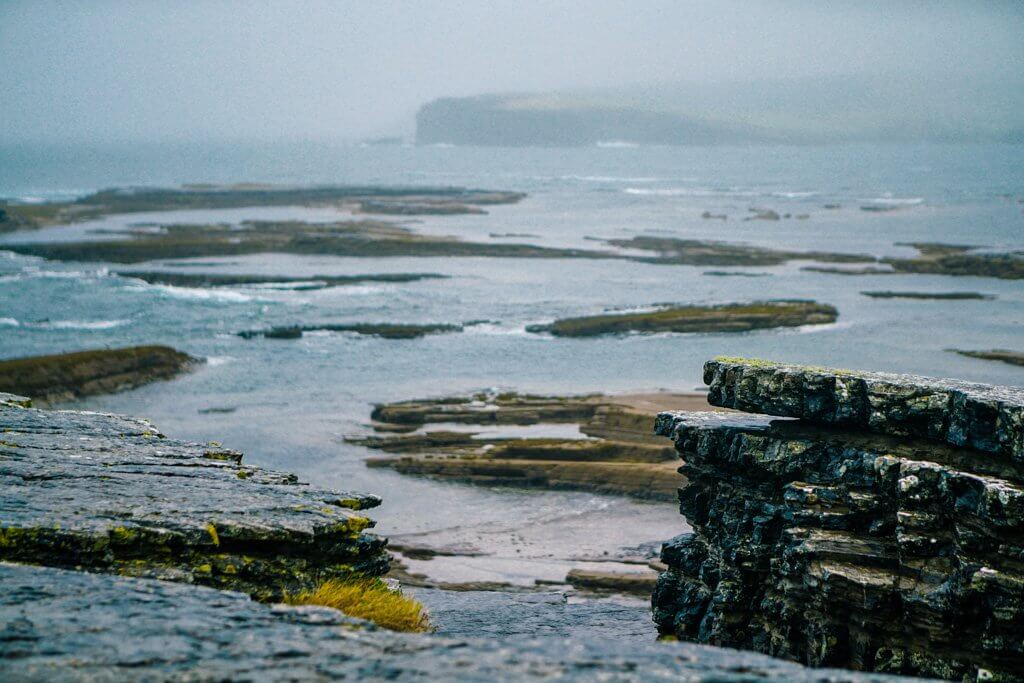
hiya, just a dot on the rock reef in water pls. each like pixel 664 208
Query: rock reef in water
pixel 959 259
pixel 879 530
pixel 383 330
pixel 376 200
pixel 68 376
pixel 615 452
pixel 757 315
pixel 939 296
pixel 360 238
pixel 1002 355
pixel 297 283
pixel 107 493
pixel 672 250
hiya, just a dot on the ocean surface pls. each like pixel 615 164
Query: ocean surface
pixel 294 401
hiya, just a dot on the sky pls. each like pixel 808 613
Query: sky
pixel 93 72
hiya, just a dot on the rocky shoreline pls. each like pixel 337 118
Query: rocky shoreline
pixel 125 551
pixel 612 453
pixel 62 377
pixel 879 530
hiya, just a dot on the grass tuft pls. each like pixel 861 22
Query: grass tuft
pixel 369 599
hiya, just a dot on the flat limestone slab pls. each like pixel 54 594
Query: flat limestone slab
pixel 978 416
pixel 110 493
pixel 71 626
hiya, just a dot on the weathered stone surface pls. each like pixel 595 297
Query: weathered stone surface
pixel 978 416
pixel 66 376
pixel 70 626
pixel 110 493
pixel 739 317
pixel 837 546
pixel 621 456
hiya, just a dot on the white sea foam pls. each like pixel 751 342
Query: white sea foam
pixel 75 324
pixel 214 361
pixel 690 192
pixel 616 144
pixel 195 294
pixel 795 195
pixel 497 330
pixel 897 201
pixel 10 322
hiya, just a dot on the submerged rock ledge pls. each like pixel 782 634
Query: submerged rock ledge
pixel 882 530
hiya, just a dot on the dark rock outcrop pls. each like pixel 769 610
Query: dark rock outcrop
pixel 66 376
pixel 939 296
pixel 110 494
pixel 298 283
pixel 383 330
pixel 881 530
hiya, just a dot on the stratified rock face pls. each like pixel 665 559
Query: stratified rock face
pixel 979 416
pixel 71 626
pixel 883 530
pixel 111 494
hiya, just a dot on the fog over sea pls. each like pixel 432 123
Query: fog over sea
pixel 293 401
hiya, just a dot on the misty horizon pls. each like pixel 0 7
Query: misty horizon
pixel 107 72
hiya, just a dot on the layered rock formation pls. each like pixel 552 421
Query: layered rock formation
pixel 614 451
pixel 110 494
pixel 883 529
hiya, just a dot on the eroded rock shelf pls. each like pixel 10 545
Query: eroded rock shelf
pixel 111 494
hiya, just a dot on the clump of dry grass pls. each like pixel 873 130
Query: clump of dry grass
pixel 369 599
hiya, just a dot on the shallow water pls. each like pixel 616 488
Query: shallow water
pixel 295 400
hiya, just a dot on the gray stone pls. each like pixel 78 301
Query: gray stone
pixel 979 416
pixel 110 493
pixel 72 626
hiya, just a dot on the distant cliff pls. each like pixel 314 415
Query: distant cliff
pixel 495 120
pixel 793 111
